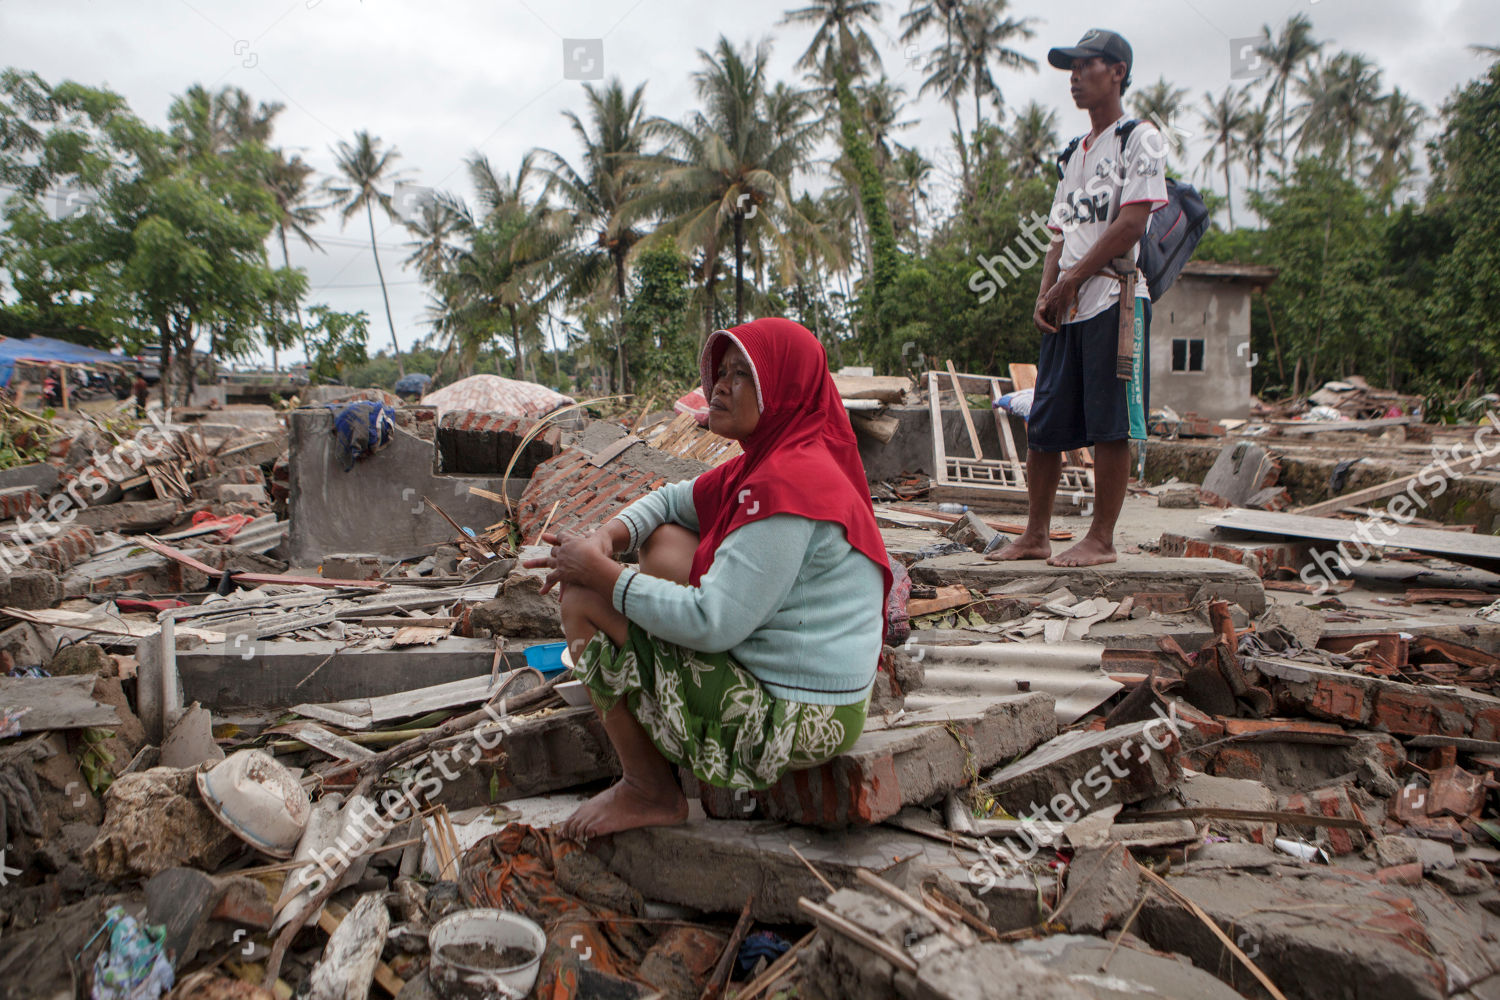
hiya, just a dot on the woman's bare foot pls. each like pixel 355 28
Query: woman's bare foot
pixel 625 806
pixel 1088 552
pixel 1027 546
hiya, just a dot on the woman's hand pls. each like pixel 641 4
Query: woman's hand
pixel 584 560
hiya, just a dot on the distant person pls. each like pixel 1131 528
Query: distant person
pixel 142 392
pixel 1109 187
pixel 52 388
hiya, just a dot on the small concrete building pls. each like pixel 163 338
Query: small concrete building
pixel 1200 339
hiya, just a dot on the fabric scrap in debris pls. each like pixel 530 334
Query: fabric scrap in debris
pixel 10 723
pixel 133 967
pixel 227 526
pixel 363 428
pixel 588 912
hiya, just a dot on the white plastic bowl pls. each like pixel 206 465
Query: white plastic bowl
pixel 497 929
pixel 258 799
pixel 574 693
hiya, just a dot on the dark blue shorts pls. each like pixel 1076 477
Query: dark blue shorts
pixel 1079 401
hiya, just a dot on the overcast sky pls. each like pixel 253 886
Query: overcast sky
pixel 442 79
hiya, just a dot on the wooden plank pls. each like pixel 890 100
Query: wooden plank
pixel 332 744
pixel 1002 424
pixel 56 703
pixel 963 408
pixel 454 694
pixel 292 580
pixel 1482 551
pixel 176 555
pixel 885 388
pixel 1298 427
pixel 1379 492
pixel 417 635
pixel 63 618
pixel 939 447
pixel 947 597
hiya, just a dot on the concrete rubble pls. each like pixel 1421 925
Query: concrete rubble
pixel 296 716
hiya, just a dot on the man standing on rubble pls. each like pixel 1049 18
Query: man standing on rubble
pixel 1111 180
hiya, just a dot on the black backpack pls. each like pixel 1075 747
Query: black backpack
pixel 1174 230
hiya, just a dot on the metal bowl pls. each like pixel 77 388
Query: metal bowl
pixel 258 799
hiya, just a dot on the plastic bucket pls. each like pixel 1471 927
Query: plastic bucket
pixel 455 976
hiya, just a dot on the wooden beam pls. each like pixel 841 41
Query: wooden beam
pixel 963 408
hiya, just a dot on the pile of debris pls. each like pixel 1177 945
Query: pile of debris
pixel 339 775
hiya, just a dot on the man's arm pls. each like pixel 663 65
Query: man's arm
pixel 1127 229
pixel 1044 322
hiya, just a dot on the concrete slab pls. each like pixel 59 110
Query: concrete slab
pixel 277 673
pixel 715 865
pixel 931 753
pixel 1084 770
pixel 40 476
pixel 377 505
pixel 1195 579
pixel 1330 934
pixel 1131 972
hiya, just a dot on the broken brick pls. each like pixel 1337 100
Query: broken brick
pixel 1331 802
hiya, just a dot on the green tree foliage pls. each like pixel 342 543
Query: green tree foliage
pixel 338 342
pixel 1465 298
pixel 948 304
pixel 658 333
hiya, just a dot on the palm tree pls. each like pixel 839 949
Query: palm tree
pixel 598 195
pixel 367 168
pixel 839 30
pixel 1286 53
pixel 1160 103
pixel 439 224
pixel 984 34
pixel 1254 140
pixel 1340 94
pixel 909 172
pixel 842 48
pixel 1032 140
pixel 206 124
pixel 728 167
pixel 1393 127
pixel 1223 119
pixel 296 213
pixel 942 64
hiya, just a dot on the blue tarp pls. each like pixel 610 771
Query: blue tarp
pixel 413 385
pixel 13 349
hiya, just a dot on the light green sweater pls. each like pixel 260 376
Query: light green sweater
pixel 787 596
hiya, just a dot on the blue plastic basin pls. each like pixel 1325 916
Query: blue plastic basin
pixel 547 658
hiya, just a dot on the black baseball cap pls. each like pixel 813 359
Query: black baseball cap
pixel 1095 42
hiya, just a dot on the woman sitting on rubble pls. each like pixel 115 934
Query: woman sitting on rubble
pixel 746 643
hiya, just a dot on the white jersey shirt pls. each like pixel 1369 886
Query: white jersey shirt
pixel 1097 181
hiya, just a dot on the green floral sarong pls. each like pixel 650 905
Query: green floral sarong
pixel 710 715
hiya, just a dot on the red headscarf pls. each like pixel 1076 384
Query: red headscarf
pixel 802 458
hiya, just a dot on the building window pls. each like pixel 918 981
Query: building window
pixel 1187 354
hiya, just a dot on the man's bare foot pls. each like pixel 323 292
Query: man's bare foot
pixel 624 806
pixel 1024 547
pixel 1088 552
